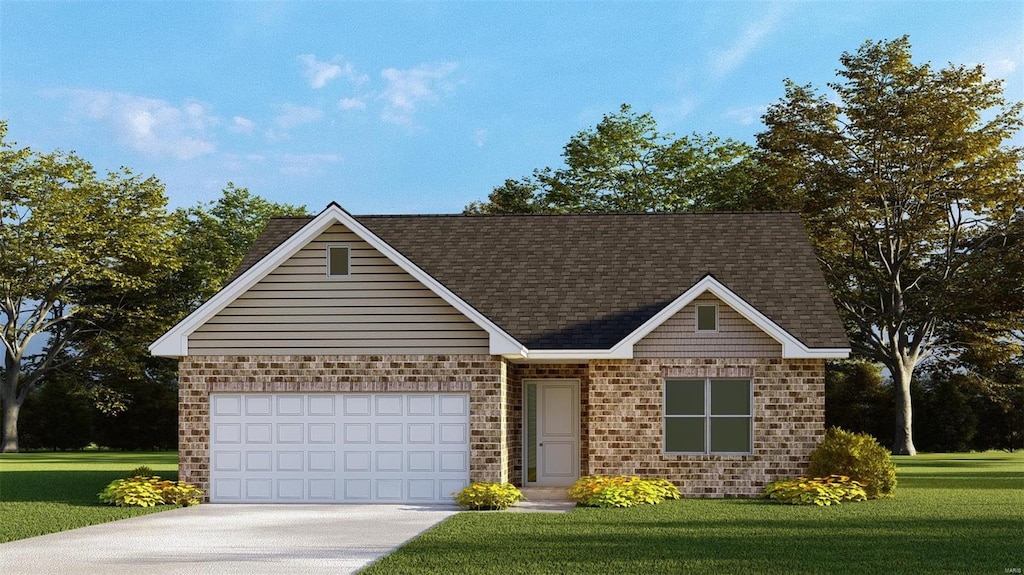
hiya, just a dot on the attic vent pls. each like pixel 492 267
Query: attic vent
pixel 707 317
pixel 338 261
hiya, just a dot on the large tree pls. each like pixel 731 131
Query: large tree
pixel 74 248
pixel 905 176
pixel 625 165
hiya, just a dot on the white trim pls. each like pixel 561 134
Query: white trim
pixel 791 346
pixel 174 343
pixel 327 261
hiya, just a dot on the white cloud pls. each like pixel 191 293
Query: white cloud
pixel 746 115
pixel 480 137
pixel 725 61
pixel 242 125
pixel 292 116
pixel 319 72
pixel 352 104
pixel 408 89
pixel 148 125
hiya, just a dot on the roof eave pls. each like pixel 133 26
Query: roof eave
pixel 174 343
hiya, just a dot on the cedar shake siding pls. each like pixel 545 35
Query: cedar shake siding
pixel 736 336
pixel 380 309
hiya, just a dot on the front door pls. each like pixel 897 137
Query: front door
pixel 552 432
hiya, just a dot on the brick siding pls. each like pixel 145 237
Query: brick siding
pixel 482 377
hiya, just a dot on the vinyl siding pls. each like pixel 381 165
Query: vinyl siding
pixel 678 338
pixel 380 309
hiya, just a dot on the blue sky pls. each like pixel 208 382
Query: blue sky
pixel 423 107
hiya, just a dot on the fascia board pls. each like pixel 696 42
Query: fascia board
pixel 500 342
pixel 791 346
pixel 174 343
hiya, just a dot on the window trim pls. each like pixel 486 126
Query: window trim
pixel 696 317
pixel 707 416
pixel 327 261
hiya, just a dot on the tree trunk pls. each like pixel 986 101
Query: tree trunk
pixel 11 407
pixel 10 404
pixel 904 413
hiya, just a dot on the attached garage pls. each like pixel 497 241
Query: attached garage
pixel 344 447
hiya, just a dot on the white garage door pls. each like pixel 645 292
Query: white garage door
pixel 349 448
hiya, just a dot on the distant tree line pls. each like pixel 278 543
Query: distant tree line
pixel 906 177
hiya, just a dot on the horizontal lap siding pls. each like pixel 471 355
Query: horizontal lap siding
pixel 296 309
pixel 736 336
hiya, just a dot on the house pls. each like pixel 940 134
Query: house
pixel 397 358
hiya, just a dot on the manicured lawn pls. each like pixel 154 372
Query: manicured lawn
pixel 47 492
pixel 953 513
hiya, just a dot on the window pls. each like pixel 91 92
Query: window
pixel 338 265
pixel 708 416
pixel 707 317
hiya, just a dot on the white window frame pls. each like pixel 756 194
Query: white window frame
pixel 696 317
pixel 707 416
pixel 327 261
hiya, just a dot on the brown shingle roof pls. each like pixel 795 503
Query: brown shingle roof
pixel 587 281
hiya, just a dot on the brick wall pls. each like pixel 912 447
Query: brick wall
pixel 482 377
pixel 625 422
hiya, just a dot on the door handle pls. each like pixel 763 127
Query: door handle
pixel 540 445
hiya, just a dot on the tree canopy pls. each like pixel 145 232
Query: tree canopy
pixel 624 164
pixel 74 248
pixel 907 185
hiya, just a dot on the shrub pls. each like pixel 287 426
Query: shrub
pixel 621 491
pixel 142 491
pixel 480 496
pixel 141 471
pixel 818 491
pixel 858 456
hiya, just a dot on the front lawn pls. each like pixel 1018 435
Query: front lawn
pixel 953 513
pixel 47 492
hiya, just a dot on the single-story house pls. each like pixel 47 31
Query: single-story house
pixel 398 358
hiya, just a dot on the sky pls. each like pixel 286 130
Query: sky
pixel 423 107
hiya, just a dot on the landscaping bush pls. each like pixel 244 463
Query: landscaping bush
pixel 857 456
pixel 488 496
pixel 621 491
pixel 149 491
pixel 140 471
pixel 821 491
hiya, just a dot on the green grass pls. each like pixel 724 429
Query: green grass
pixel 952 513
pixel 46 492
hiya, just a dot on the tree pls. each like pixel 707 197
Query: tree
pixel 857 399
pixel 65 237
pixel 625 165
pixel 901 176
pixel 215 237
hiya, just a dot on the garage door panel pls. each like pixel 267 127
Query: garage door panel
pixel 387 447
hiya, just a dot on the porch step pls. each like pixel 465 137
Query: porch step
pixel 545 493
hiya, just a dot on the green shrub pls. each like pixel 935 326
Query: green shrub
pixel 621 491
pixel 141 471
pixel 823 491
pixel 142 491
pixel 858 456
pixel 488 496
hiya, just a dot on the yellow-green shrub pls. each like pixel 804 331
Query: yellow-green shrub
pixel 142 491
pixel 621 491
pixel 488 496
pixel 858 456
pixel 823 491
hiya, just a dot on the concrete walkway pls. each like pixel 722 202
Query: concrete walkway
pixel 227 539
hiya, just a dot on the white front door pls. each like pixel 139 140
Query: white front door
pixel 553 432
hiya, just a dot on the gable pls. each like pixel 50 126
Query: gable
pixel 736 336
pixel 379 309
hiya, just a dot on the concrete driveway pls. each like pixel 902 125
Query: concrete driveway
pixel 227 539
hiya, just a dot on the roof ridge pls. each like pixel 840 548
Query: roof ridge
pixel 592 214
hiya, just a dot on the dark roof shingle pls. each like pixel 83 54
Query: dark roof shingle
pixel 586 281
